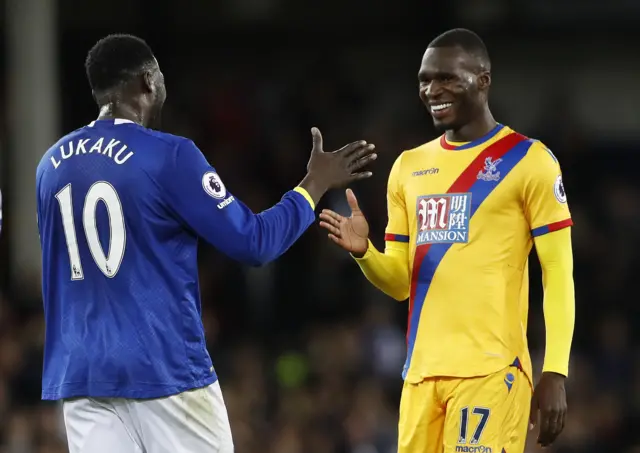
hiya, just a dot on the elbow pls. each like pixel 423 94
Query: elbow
pixel 254 262
pixel 561 267
pixel 264 247
pixel 257 258
pixel 260 256
pixel 402 288
pixel 256 252
pixel 400 294
pixel 250 255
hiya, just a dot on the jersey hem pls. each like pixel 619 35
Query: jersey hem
pixel 109 390
pixel 416 378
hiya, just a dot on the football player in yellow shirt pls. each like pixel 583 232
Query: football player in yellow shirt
pixel 464 212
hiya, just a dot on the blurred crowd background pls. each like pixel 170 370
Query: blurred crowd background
pixel 308 353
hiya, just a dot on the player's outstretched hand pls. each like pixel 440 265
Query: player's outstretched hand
pixel 341 167
pixel 350 233
pixel 550 402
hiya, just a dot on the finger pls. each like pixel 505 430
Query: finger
pixel 555 425
pixel 330 220
pixel 544 435
pixel 335 239
pixel 352 201
pixel 553 429
pixel 361 152
pixel 533 414
pixel 317 140
pixel 358 164
pixel 358 176
pixel 332 229
pixel 334 215
pixel 561 422
pixel 347 150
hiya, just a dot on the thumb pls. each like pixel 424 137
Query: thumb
pixel 352 201
pixel 317 139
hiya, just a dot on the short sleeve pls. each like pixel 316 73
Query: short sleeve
pixel 545 200
pixel 397 228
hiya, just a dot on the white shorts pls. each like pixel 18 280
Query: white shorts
pixel 195 421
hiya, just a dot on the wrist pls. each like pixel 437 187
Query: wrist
pixel 360 254
pixel 554 374
pixel 315 189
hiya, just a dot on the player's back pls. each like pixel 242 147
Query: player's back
pixel 120 283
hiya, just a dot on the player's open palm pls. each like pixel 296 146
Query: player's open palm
pixel 338 168
pixel 350 233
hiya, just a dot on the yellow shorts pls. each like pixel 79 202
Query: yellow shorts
pixel 487 414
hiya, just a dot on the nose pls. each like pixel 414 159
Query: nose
pixel 431 90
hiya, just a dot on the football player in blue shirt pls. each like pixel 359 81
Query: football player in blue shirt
pixel 120 211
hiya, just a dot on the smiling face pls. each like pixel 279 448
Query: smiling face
pixel 453 86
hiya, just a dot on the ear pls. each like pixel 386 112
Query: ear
pixel 148 83
pixel 484 80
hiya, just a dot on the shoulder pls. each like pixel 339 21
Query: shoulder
pixel 539 150
pixel 410 154
pixel 175 141
pixel 540 169
pixel 407 161
pixel 540 155
pixel 56 147
pixel 536 155
pixel 536 150
pixel 178 149
pixel 428 147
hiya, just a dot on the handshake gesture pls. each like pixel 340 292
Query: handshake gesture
pixel 327 170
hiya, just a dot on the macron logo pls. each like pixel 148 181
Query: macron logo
pixel 428 171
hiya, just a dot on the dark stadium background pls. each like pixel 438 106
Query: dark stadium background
pixel 309 354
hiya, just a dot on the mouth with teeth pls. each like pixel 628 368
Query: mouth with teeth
pixel 440 110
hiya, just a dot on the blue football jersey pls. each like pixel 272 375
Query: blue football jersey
pixel 120 210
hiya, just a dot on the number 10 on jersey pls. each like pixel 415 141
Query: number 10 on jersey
pixel 100 191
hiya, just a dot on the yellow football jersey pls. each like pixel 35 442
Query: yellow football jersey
pixel 470 212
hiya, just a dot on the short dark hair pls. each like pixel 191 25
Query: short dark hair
pixel 116 59
pixel 465 39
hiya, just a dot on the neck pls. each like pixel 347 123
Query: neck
pixel 114 110
pixel 477 128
